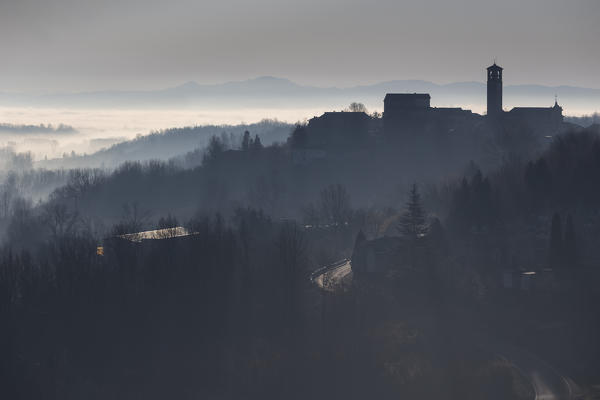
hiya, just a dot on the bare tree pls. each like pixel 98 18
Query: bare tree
pixel 357 107
pixel 168 227
pixel 311 215
pixel 133 220
pixel 214 150
pixel 59 220
pixel 335 205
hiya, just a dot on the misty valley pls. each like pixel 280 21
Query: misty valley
pixel 419 252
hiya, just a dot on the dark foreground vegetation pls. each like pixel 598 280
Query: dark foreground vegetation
pixel 227 312
pixel 446 273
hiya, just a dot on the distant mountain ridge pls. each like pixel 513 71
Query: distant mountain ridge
pixel 273 92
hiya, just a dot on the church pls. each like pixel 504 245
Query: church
pixel 411 113
pixel 409 119
pixel 542 120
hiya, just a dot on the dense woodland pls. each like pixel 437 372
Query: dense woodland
pixel 229 311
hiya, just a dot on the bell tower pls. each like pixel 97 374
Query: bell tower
pixel 494 91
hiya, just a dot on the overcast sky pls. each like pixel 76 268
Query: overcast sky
pixel 78 45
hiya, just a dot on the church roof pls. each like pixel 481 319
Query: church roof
pixel 495 67
pixel 532 108
pixel 519 110
pixel 556 106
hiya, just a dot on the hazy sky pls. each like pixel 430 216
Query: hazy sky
pixel 74 45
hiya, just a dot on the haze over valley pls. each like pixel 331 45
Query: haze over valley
pixel 99 119
pixel 268 200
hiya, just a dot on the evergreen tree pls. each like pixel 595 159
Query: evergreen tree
pixel 256 143
pixel 246 141
pixel 412 222
pixel 213 152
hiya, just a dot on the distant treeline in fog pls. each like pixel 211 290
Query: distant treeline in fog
pixel 31 129
pixel 11 160
pixel 170 143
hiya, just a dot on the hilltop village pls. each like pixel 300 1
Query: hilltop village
pixel 409 120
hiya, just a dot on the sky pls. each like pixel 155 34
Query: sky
pixel 82 45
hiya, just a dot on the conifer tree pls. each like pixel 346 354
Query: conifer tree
pixel 412 222
pixel 256 143
pixel 246 141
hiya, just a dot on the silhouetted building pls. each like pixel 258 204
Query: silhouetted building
pixel 409 119
pixel 337 130
pixel 494 91
pixel 409 115
pixel 394 103
pixel 540 120
pixel 543 121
